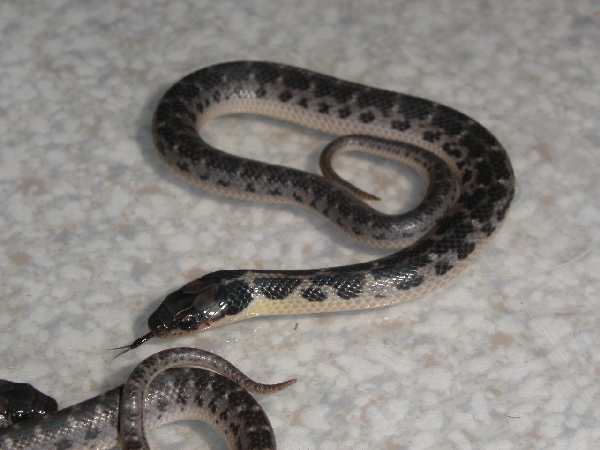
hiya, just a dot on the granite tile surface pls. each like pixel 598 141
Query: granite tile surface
pixel 94 231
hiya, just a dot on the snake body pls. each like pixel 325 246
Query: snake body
pixel 471 187
pixel 157 392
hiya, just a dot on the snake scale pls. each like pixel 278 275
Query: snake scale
pixel 160 389
pixel 436 240
pixel 471 186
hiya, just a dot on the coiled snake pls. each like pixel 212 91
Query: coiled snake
pixel 471 185
pixel 158 391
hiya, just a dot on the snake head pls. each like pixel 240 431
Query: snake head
pixel 21 401
pixel 196 306
pixel 189 309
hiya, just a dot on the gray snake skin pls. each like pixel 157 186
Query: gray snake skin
pixel 471 186
pixel 158 392
pixel 470 190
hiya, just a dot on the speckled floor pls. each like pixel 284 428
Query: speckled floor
pixel 94 231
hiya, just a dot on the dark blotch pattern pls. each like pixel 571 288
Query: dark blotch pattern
pixel 400 125
pixel 344 112
pixel 314 294
pixel 171 393
pixel 442 267
pixel 285 96
pixel 347 286
pixel 276 288
pixel 477 159
pixel 367 117
pixel 236 295
pixel 323 108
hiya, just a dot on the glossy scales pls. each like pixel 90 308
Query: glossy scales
pixel 435 241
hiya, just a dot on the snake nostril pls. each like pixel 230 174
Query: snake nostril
pixel 157 325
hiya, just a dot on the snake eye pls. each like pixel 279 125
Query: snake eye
pixel 188 323
pixel 19 417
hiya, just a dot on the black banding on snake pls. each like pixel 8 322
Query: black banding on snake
pixel 437 240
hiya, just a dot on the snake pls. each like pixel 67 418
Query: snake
pixel 471 184
pixel 158 391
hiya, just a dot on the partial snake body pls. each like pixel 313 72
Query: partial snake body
pixel 159 391
pixel 470 190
